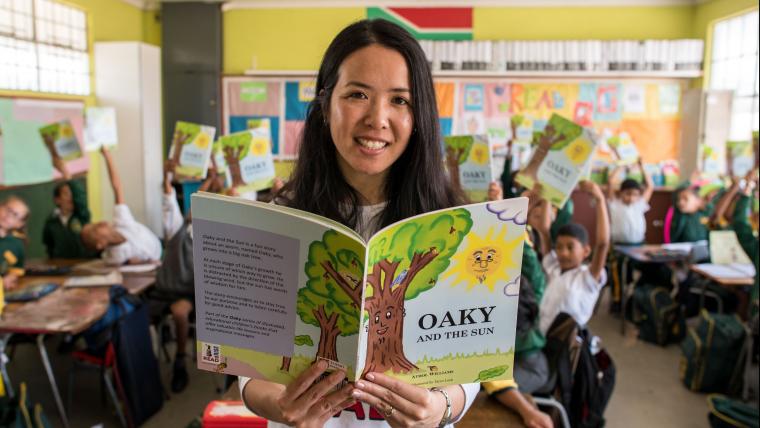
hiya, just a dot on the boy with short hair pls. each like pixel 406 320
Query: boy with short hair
pixel 627 207
pixel 13 214
pixel 62 230
pixel 124 240
pixel 572 286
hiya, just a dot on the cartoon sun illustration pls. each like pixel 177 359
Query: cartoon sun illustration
pixel 484 259
pixel 259 146
pixel 202 140
pixel 578 151
pixel 66 131
pixel 479 154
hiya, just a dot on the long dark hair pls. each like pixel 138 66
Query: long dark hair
pixel 416 182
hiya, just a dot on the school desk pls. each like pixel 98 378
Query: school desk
pixel 728 276
pixel 643 254
pixel 64 311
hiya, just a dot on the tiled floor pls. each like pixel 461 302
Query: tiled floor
pixel 648 392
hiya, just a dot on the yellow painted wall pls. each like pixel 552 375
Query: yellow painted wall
pixel 281 39
pixel 568 23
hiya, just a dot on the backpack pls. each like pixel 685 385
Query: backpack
pixel 527 307
pixel 98 335
pixel 711 353
pixel 137 368
pixel 585 372
pixel 658 317
pixel 728 413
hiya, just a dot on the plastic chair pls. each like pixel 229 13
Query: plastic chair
pixel 107 365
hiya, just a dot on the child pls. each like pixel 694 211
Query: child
pixel 531 372
pixel 627 207
pixel 124 240
pixel 175 280
pixel 691 213
pixel 13 215
pixel 61 233
pixel 573 287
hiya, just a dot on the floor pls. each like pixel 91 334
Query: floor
pixel 647 392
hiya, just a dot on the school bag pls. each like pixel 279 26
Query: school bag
pixel 99 334
pixel 585 372
pixel 728 413
pixel 658 317
pixel 711 352
pixel 175 277
pixel 137 366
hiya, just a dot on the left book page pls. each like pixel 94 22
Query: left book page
pixel 265 304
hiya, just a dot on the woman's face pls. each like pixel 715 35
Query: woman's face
pixel 370 114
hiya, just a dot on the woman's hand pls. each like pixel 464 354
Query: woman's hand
pixel 305 404
pixel 402 404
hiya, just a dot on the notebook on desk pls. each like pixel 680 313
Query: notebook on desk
pixel 728 271
pixel 112 278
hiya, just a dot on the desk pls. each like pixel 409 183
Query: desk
pixel 640 254
pixel 725 276
pixel 64 311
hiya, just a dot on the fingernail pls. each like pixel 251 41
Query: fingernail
pixel 360 385
pixel 356 393
pixel 370 376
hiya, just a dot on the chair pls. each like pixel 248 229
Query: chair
pixel 549 401
pixel 107 365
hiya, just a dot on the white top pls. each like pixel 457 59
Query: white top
pixel 140 242
pixel 574 292
pixel 627 223
pixel 171 215
pixel 366 418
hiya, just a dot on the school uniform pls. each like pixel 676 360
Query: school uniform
pixel 748 240
pixel 574 292
pixel 12 251
pixel 691 227
pixel 140 242
pixel 62 234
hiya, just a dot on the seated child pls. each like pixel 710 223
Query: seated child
pixel 175 279
pixel 531 372
pixel 123 240
pixel 691 213
pixel 627 207
pixel 572 286
pixel 61 233
pixel 13 215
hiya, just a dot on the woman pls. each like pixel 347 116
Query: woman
pixel 370 156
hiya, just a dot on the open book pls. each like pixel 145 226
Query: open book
pixel 431 299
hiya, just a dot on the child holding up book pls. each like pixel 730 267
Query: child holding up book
pixel 369 156
pixel 691 213
pixel 62 231
pixel 572 286
pixel 13 215
pixel 124 240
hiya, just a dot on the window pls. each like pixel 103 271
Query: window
pixel 43 47
pixel 734 66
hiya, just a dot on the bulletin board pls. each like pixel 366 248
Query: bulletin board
pixel 648 110
pixel 24 159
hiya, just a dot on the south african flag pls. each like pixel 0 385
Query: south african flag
pixel 429 23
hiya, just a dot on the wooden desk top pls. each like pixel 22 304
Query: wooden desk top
pixel 721 280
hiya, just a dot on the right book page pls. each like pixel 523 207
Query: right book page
pixel 441 295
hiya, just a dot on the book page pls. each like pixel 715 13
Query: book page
pixel 274 290
pixel 191 149
pixel 468 162
pixel 441 295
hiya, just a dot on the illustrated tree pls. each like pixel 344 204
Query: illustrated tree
pixel 235 147
pixel 332 296
pixel 301 340
pixel 457 151
pixel 182 135
pixel 405 262
pixel 558 133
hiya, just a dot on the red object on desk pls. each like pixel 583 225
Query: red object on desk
pixel 230 414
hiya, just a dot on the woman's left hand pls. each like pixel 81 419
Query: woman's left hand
pixel 402 404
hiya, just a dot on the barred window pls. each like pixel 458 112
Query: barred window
pixel 43 47
pixel 734 66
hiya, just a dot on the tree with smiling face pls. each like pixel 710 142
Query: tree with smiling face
pixel 457 151
pixel 557 134
pixel 332 296
pixel 183 134
pixel 235 147
pixel 405 262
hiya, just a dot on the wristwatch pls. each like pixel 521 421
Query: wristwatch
pixel 446 419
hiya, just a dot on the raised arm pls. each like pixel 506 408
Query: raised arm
pixel 58 163
pixel 724 202
pixel 113 175
pixel 599 257
pixel 648 189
